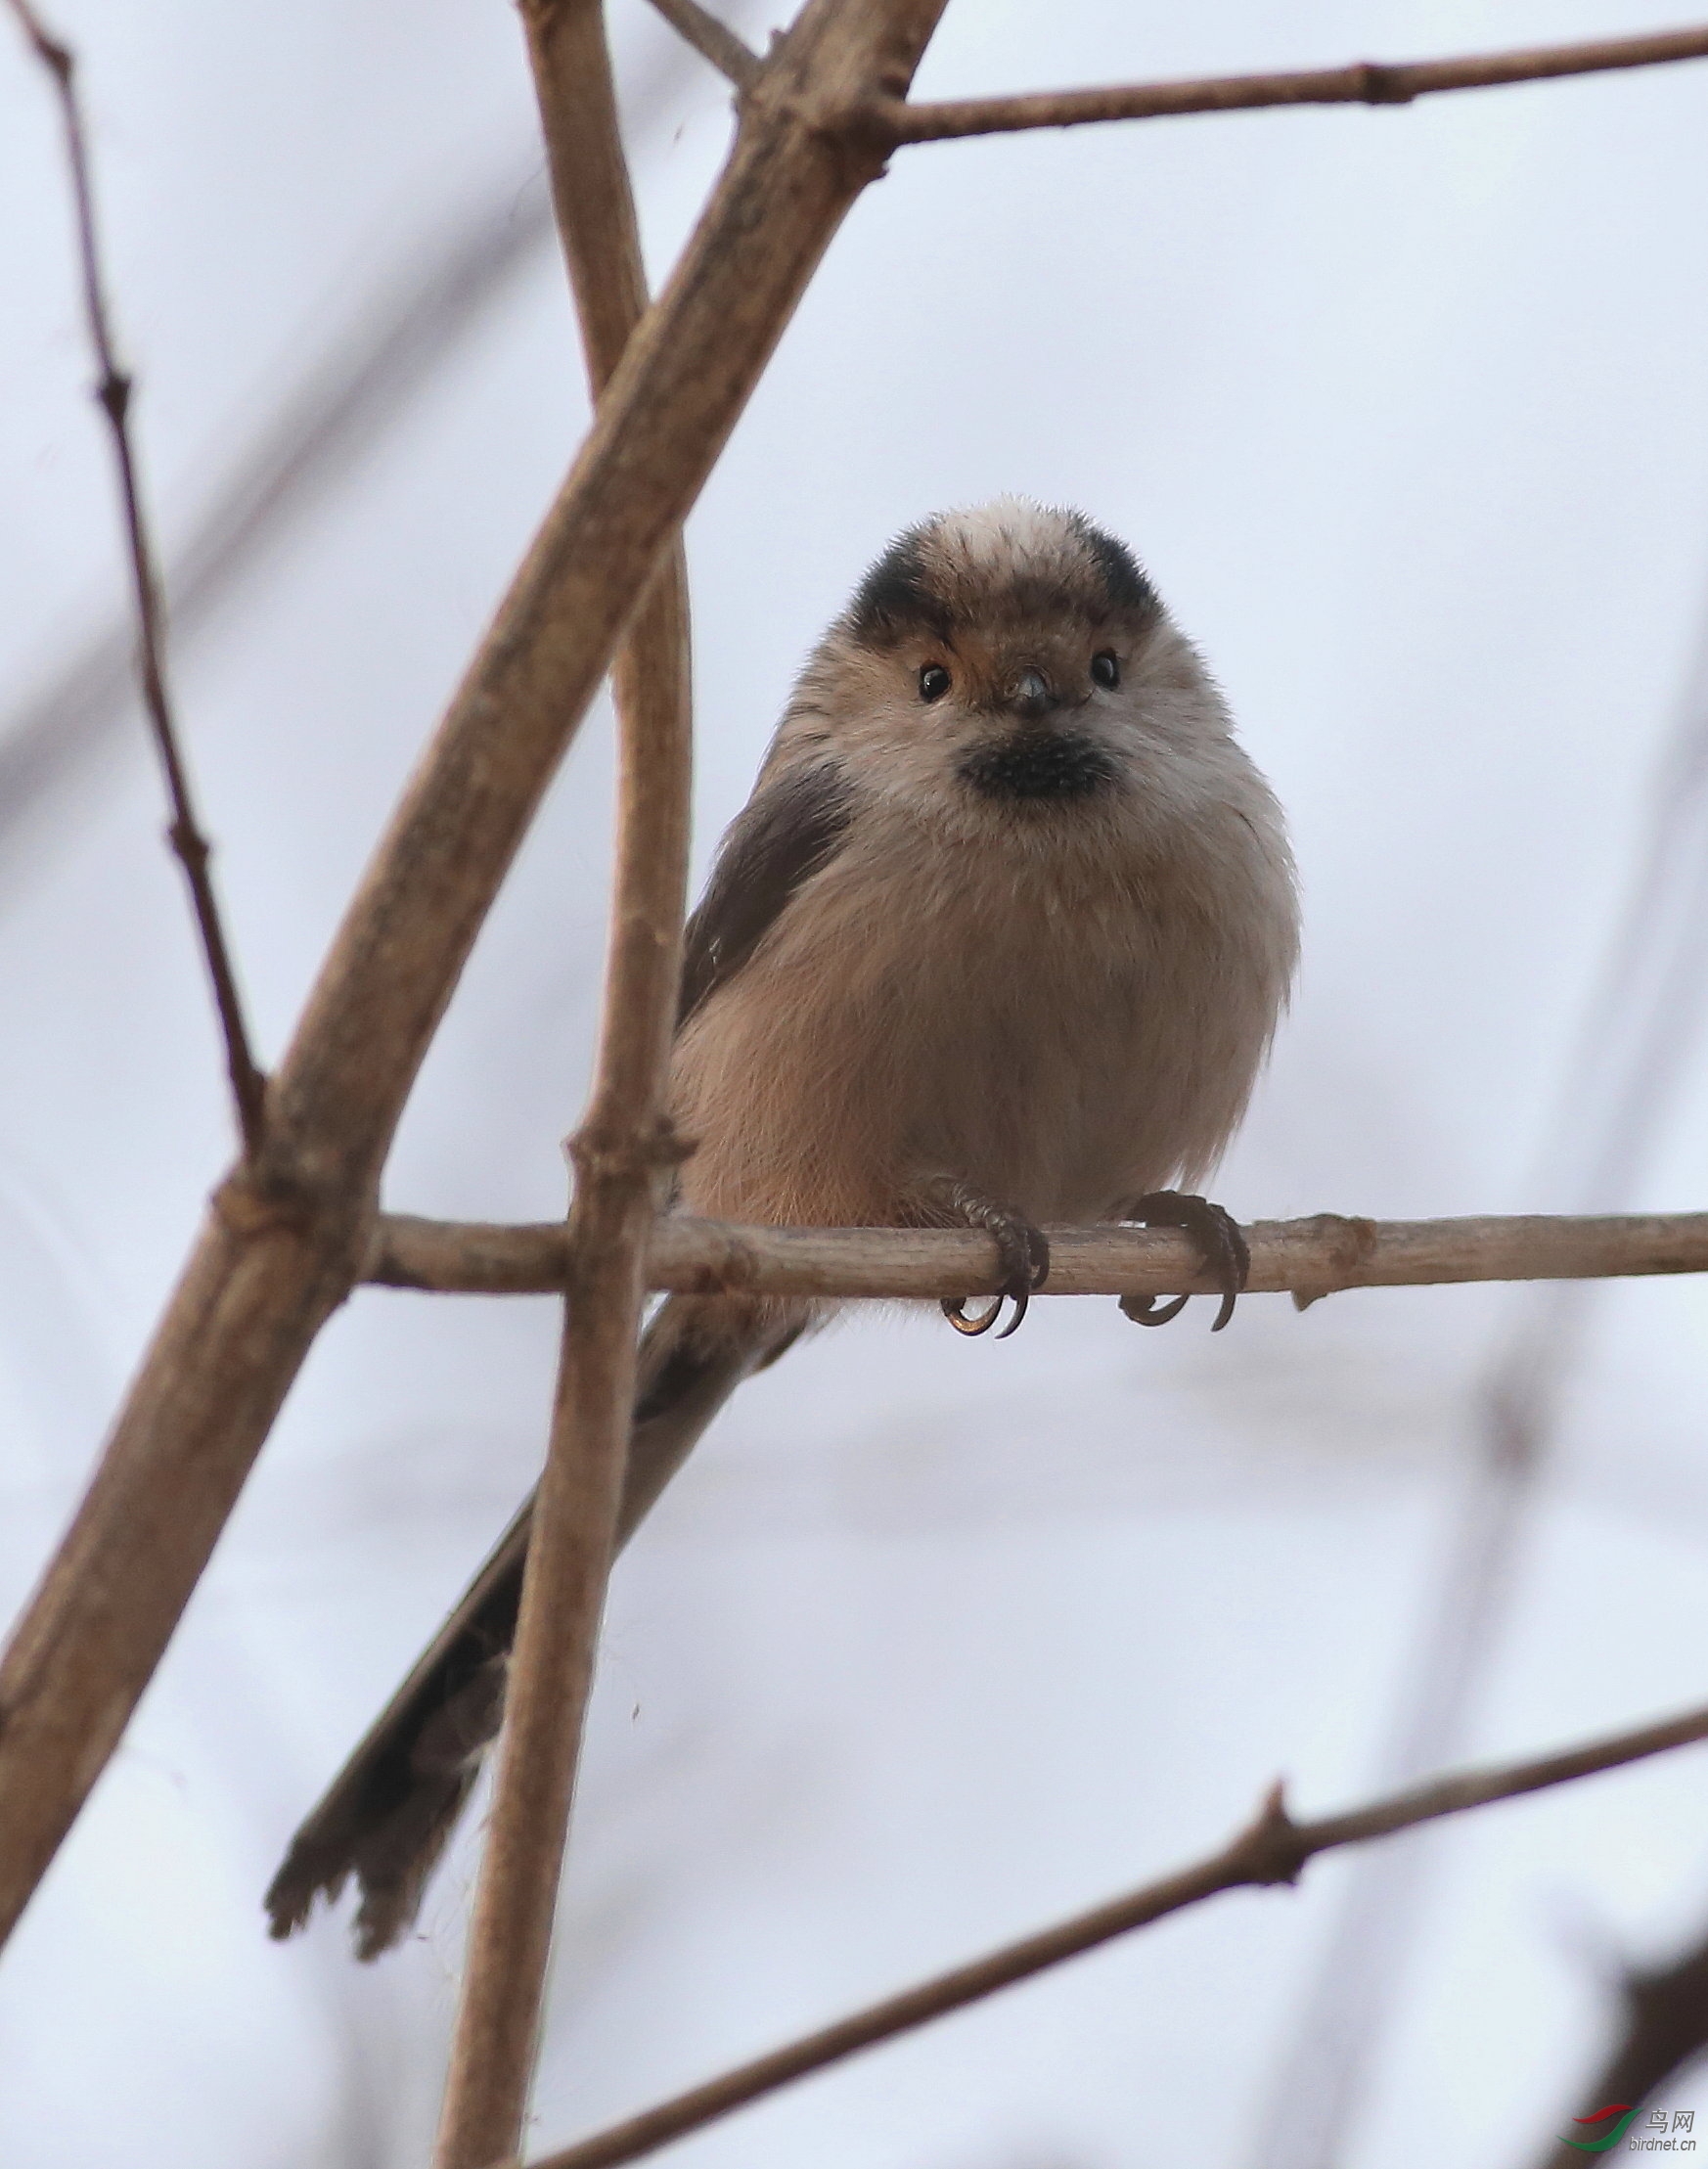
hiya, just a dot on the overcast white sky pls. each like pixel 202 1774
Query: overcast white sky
pixel 1406 412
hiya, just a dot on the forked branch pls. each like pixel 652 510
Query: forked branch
pixel 113 394
pixel 1273 1849
pixel 1361 83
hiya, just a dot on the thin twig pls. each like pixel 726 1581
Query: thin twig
pixel 1274 1849
pixel 1361 83
pixel 113 394
pixel 617 1165
pixel 719 44
pixel 286 1240
pixel 1307 1258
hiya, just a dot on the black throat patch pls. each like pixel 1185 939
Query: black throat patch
pixel 1040 765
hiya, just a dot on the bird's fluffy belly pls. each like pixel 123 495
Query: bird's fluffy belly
pixel 1057 1045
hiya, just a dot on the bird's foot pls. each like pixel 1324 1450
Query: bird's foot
pixel 1022 1251
pixel 1217 1237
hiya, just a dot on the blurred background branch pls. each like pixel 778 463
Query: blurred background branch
pixel 113 394
pixel 358 389
pixel 715 40
pixel 1660 2029
pixel 395 345
pixel 1641 1021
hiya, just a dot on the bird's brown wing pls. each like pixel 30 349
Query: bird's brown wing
pixel 788 830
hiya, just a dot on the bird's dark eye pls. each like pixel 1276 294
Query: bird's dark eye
pixel 933 682
pixel 1105 669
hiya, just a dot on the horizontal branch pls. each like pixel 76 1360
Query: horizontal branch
pixel 1361 83
pixel 1307 1258
pixel 1274 1849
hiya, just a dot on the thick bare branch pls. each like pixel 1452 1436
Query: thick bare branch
pixel 617 1162
pixel 720 45
pixel 287 1235
pixel 1307 1258
pixel 113 394
pixel 1274 1849
pixel 1361 83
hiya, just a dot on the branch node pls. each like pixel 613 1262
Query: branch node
pixel 736 1271
pixel 190 844
pixel 46 47
pixel 1273 1849
pixel 865 129
pixel 1381 85
pixel 252 1202
pixel 599 1154
pixel 1352 1244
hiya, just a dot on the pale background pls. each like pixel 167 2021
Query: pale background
pixel 1406 412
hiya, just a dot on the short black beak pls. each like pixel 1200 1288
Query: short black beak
pixel 1031 697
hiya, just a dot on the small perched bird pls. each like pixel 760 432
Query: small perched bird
pixel 999 940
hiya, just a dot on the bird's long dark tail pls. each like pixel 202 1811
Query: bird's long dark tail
pixel 389 1814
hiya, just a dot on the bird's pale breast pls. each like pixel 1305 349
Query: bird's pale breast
pixel 1057 1017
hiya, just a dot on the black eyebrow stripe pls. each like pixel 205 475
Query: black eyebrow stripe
pixel 896 597
pixel 1129 589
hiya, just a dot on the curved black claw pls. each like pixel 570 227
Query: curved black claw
pixel 1151 1310
pixel 1217 1237
pixel 1023 1251
pixel 955 1310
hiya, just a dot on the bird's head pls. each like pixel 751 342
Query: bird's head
pixel 1012 657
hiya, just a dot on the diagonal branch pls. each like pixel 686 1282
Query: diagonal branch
pixel 287 1235
pixel 719 44
pixel 1361 83
pixel 1273 1849
pixel 112 393
pixel 1306 1258
pixel 617 1162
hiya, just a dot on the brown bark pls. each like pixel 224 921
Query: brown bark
pixel 1308 1259
pixel 1361 83
pixel 617 1157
